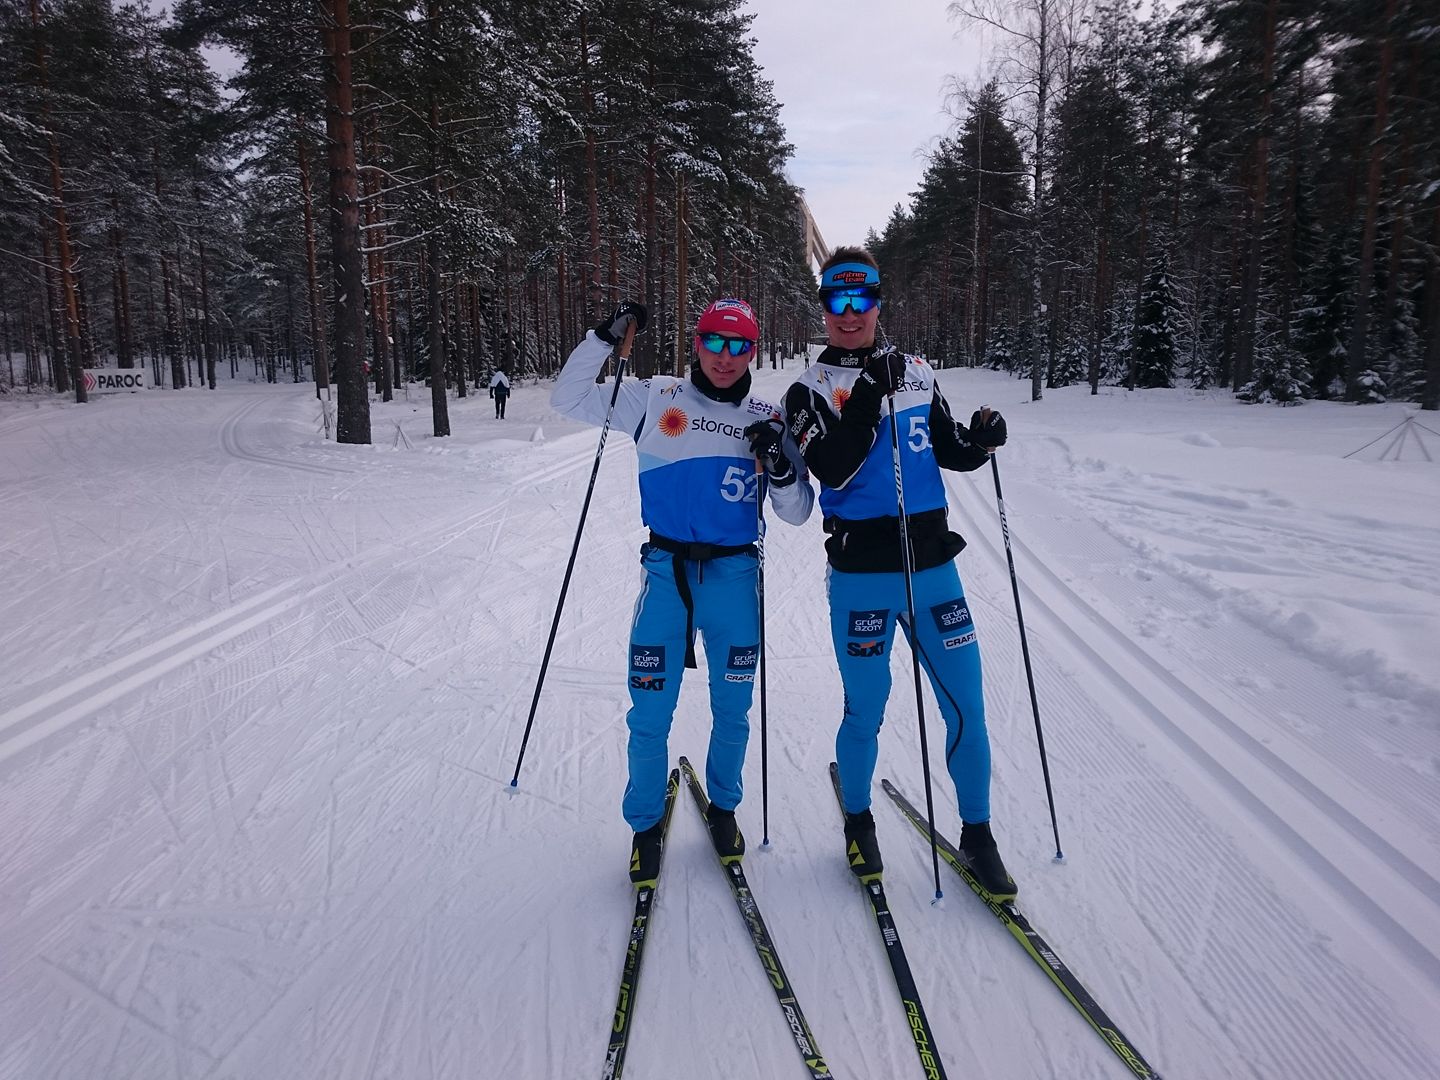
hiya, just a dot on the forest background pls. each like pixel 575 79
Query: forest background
pixel 1237 194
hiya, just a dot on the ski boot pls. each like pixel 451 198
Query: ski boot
pixel 725 834
pixel 977 844
pixel 861 850
pixel 645 854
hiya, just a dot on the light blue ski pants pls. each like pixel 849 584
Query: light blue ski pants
pixel 864 609
pixel 727 620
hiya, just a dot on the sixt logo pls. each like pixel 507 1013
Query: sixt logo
pixel 866 648
pixel 951 615
pixel 647 682
pixel 704 423
pixel 961 641
pixel 672 422
pixel 864 623
pixel 647 657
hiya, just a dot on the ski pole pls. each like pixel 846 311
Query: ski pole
pixel 914 640
pixel 1025 648
pixel 621 355
pixel 760 660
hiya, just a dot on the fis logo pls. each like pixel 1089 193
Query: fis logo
pixel 741 665
pixel 866 648
pixel 868 623
pixel 672 391
pixel 673 422
pixel 961 641
pixel 951 616
pixel 647 682
pixel 647 658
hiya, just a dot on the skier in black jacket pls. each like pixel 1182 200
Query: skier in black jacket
pixel 835 413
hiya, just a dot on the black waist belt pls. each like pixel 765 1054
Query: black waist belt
pixel 876 528
pixel 693 552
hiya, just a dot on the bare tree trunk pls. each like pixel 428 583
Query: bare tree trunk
pixel 1259 187
pixel 592 180
pixel 1430 394
pixel 353 407
pixel 1365 276
pixel 1037 225
pixel 312 291
pixel 62 227
pixel 681 274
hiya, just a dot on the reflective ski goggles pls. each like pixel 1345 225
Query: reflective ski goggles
pixel 718 343
pixel 859 300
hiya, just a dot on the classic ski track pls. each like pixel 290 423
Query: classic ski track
pixel 231 443
pixel 79 697
pixel 1254 754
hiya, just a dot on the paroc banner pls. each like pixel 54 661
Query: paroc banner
pixel 115 380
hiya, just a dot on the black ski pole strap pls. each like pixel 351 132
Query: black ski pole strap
pixel 682 586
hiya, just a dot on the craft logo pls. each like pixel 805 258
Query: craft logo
pixel 839 396
pixel 866 648
pixel 647 657
pixel 849 277
pixel 673 422
pixel 963 639
pixel 951 616
pixel 647 682
pixel 741 665
pixel 704 423
pixel 868 623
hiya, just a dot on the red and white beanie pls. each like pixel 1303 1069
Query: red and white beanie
pixel 731 317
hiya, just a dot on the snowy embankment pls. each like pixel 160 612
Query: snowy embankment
pixel 263 695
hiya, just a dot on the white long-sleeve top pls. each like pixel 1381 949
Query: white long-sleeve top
pixel 698 480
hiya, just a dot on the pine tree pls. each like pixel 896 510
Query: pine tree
pixel 1154 338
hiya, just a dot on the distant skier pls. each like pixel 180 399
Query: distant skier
pixel 500 391
pixel 698 440
pixel 835 412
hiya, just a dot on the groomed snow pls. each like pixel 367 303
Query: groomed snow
pixel 263 696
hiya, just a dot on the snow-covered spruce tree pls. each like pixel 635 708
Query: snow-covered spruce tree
pixel 1153 342
pixel 1280 373
pixel 1072 365
pixel 1116 346
pixel 999 348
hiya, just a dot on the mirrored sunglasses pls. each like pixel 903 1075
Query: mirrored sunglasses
pixel 718 343
pixel 859 300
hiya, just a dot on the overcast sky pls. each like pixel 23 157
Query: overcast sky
pixel 862 87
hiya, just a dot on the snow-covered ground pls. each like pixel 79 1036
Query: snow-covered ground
pixel 262 696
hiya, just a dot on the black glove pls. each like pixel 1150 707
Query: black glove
pixel 612 330
pixel 987 428
pixel 764 436
pixel 884 370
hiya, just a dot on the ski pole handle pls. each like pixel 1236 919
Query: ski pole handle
pixel 624 351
